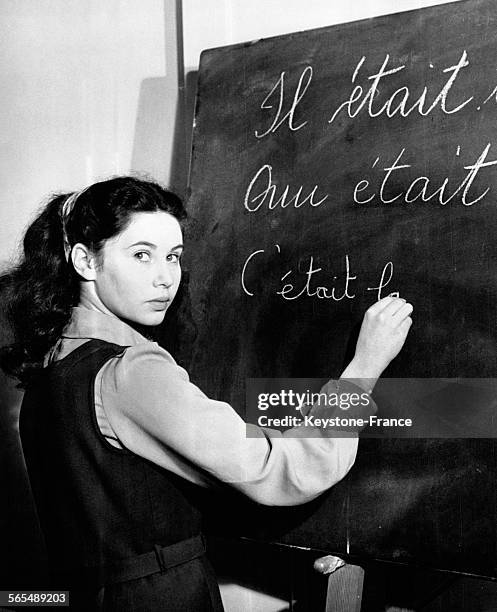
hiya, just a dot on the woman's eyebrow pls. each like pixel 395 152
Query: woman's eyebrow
pixel 152 245
pixel 142 243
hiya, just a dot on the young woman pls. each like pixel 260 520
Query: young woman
pixel 111 426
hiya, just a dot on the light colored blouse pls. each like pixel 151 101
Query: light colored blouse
pixel 146 403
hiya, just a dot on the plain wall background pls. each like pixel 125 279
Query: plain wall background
pixel 71 72
pixel 232 21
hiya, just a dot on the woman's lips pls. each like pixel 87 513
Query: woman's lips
pixel 159 302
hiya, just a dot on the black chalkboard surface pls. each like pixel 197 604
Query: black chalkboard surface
pixel 330 168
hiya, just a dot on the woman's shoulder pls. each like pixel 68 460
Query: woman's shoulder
pixel 142 363
pixel 148 350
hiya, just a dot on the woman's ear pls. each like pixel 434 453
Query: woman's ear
pixel 84 261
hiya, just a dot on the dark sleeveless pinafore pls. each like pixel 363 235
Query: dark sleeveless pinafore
pixel 121 533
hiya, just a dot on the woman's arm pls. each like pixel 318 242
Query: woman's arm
pixel 158 413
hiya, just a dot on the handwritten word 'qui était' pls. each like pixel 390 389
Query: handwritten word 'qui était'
pixel 262 189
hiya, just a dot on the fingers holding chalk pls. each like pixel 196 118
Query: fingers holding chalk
pixel 403 312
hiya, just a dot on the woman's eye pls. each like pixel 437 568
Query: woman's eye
pixel 175 257
pixel 142 256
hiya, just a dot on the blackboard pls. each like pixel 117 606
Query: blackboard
pixel 329 168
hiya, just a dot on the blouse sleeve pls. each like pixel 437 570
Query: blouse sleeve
pixel 159 414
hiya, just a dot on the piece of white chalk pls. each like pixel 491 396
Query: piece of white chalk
pixel 394 294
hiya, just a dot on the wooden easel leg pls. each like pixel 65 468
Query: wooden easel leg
pixel 345 589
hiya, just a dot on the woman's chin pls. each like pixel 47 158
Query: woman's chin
pixel 148 319
pixel 153 318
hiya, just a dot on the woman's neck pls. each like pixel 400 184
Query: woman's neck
pixel 88 298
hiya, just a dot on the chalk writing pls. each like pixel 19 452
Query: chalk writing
pixel 399 101
pixel 392 180
pixel 384 281
pixel 419 188
pixel 310 283
pixel 492 96
pixel 265 193
pixel 279 91
pixel 311 289
pixel 244 269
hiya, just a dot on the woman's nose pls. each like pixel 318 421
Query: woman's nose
pixel 163 276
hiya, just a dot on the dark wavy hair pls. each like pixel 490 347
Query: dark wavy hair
pixel 39 293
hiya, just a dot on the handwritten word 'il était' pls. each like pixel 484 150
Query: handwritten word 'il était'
pixel 282 105
pixel 310 282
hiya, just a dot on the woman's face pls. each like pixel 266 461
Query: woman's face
pixel 140 271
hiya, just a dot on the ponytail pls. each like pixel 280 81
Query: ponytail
pixel 38 294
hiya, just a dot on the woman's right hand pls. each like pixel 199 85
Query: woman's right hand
pixel 383 332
